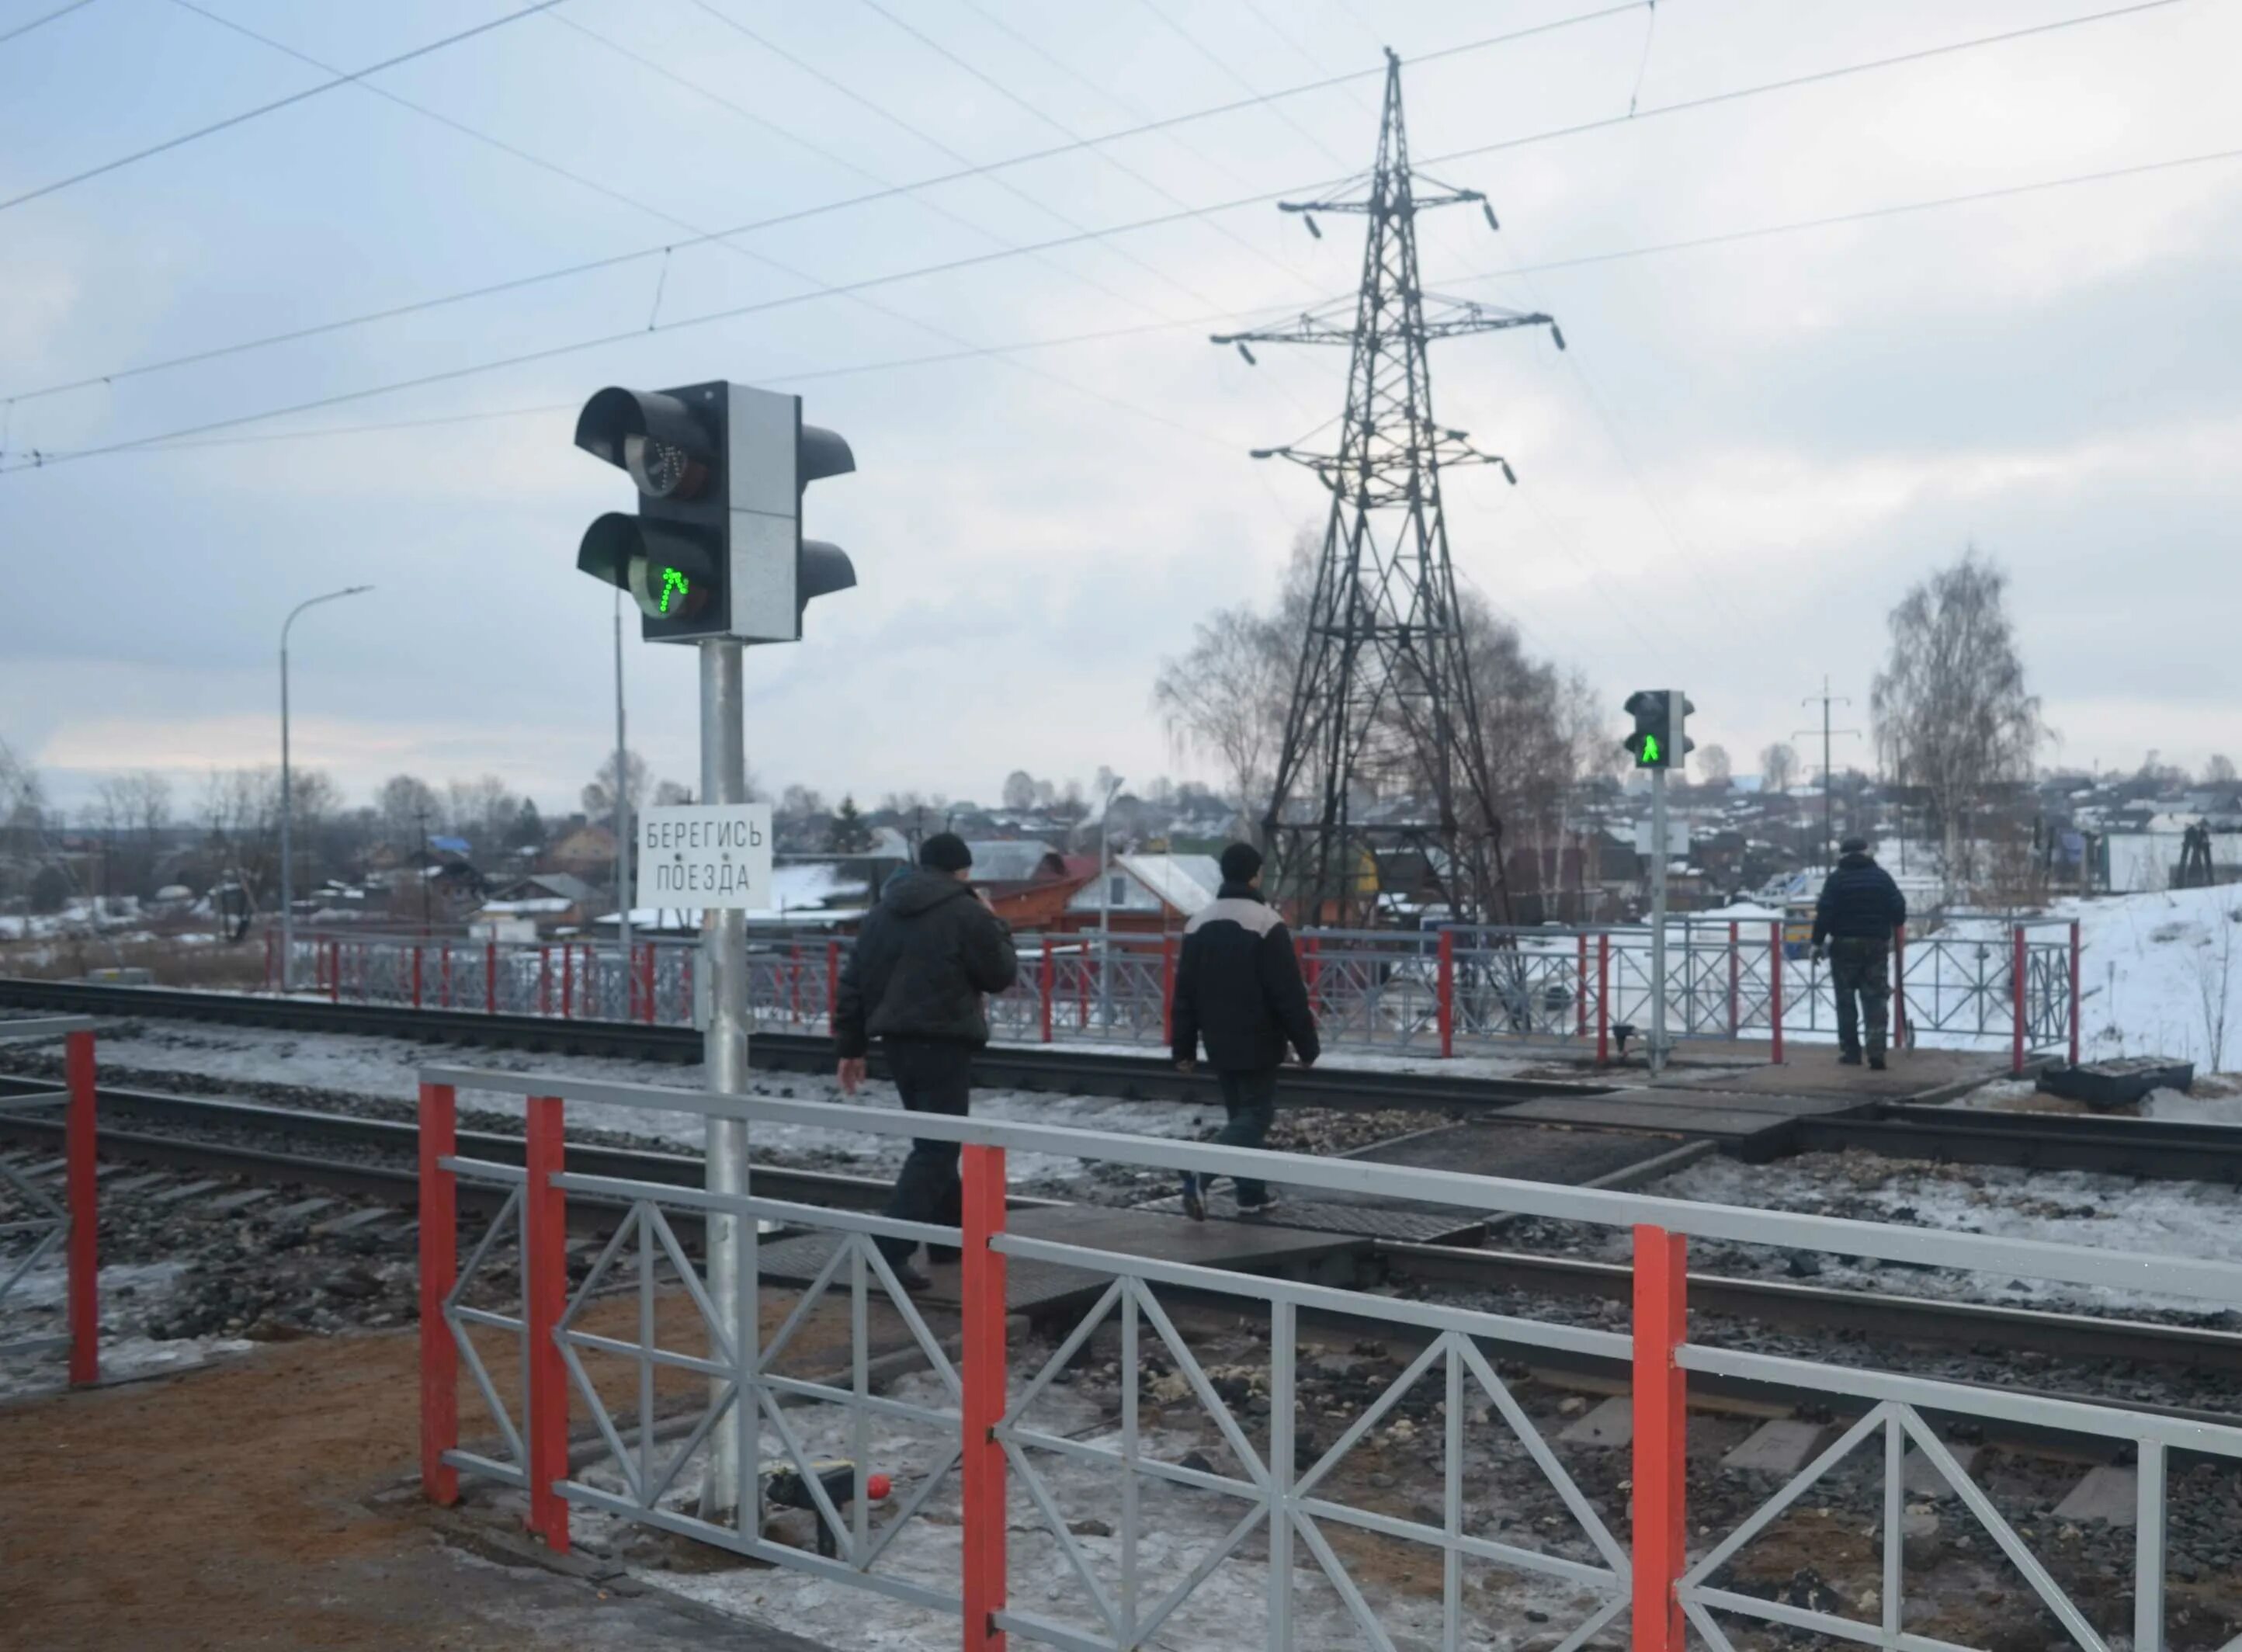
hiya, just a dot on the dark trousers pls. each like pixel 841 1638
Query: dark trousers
pixel 1860 968
pixel 932 1076
pixel 1250 1099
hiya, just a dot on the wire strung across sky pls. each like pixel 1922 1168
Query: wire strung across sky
pixel 291 99
pixel 973 260
pixel 181 438
pixel 588 267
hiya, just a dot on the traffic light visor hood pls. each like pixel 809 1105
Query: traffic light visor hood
pixel 652 436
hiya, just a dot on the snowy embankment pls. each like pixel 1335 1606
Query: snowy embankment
pixel 2161 975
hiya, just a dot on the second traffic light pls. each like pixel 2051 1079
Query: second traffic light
pixel 1660 739
pixel 715 548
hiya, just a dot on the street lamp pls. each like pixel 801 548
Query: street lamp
pixel 1106 905
pixel 288 866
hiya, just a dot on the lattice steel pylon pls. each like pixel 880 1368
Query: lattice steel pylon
pixel 1382 695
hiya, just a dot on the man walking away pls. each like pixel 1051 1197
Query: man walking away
pixel 1859 909
pixel 1239 989
pixel 915 980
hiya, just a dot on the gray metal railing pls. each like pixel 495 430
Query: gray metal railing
pixel 1293 1503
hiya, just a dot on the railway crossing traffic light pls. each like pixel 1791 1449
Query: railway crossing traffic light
pixel 1660 739
pixel 715 548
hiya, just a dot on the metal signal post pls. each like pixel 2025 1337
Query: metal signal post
pixel 714 556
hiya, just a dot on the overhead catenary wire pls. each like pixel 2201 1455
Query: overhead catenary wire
pixel 588 267
pixel 1800 226
pixel 290 101
pixel 40 22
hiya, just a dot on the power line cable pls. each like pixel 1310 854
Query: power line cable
pixel 593 266
pixel 1803 224
pixel 291 99
pixel 59 11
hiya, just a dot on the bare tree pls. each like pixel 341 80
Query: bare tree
pixel 1712 765
pixel 1952 713
pixel 1225 696
pixel 1019 791
pixel 1778 768
pixel 407 805
pixel 667 794
pixel 482 810
pixel 2214 976
pixel 2219 771
pixel 599 796
pixel 241 828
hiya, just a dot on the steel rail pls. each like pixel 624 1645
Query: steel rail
pixel 1056 1068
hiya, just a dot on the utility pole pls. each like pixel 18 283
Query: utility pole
pixel 724 1065
pixel 1825 699
pixel 287 798
pixel 622 806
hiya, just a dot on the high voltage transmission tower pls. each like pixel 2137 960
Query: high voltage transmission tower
pixel 1384 748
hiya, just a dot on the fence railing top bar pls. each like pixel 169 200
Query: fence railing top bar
pixel 2189 1277
pixel 46 1026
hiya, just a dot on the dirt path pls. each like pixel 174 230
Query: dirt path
pixel 228 1507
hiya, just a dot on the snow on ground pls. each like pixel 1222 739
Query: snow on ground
pixel 1177 1525
pixel 2161 974
pixel 390 1068
pixel 2069 1207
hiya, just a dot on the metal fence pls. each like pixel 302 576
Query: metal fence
pixel 986 1435
pixel 34 1224
pixel 1479 990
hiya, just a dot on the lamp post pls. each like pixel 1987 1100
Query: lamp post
pixel 287 809
pixel 1106 906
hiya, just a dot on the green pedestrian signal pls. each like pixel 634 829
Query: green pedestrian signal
pixel 1658 740
pixel 675 587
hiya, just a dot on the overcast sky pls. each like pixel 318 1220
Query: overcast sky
pixel 1749 453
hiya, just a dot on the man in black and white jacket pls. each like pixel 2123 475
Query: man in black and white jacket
pixel 1239 990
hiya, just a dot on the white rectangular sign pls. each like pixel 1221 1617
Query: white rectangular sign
pixel 705 855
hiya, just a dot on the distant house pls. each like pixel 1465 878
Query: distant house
pixel 547 902
pixel 586 851
pixel 1146 893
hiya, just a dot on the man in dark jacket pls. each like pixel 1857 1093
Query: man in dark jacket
pixel 1859 909
pixel 915 978
pixel 1239 989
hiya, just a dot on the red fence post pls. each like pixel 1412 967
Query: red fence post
pixel 545 980
pixel 646 965
pixel 685 989
pixel 334 972
pixel 544 1298
pixel 794 983
pixel 1662 1425
pixel 1082 987
pixel 568 982
pixel 1447 993
pixel 1735 977
pixel 490 977
pixel 1167 989
pixel 2074 992
pixel 1603 999
pixel 832 981
pixel 1899 986
pixel 82 1192
pixel 444 973
pixel 1774 990
pixel 1047 985
pixel 1315 949
pixel 416 977
pixel 2017 998
pixel 440 1264
pixel 980 1277
pixel 1580 988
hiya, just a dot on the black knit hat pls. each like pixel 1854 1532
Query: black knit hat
pixel 1240 863
pixel 1855 844
pixel 945 852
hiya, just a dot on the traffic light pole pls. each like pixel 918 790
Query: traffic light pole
pixel 724 1060
pixel 1659 855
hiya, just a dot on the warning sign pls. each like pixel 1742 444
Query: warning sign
pixel 711 855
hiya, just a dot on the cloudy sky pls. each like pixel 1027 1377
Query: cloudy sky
pixel 1751 450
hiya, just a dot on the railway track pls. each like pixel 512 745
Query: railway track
pixel 209 1136
pixel 2162 1150
pixel 1051 1068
